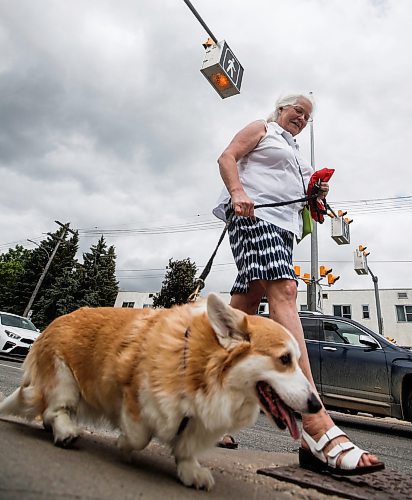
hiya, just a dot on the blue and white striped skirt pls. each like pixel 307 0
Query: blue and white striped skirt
pixel 262 251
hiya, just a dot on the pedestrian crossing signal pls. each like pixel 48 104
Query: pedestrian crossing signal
pixel 222 69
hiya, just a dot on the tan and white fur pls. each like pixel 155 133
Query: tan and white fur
pixel 145 370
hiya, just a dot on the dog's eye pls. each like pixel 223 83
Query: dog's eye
pixel 286 359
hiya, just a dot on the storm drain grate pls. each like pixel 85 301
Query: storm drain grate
pixel 382 485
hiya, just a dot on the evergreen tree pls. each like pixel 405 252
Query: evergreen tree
pixel 58 292
pixel 98 280
pixel 67 284
pixel 178 284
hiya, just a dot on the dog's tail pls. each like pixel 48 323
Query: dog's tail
pixel 26 401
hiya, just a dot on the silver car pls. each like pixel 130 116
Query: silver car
pixel 17 334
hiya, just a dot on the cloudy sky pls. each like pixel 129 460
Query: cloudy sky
pixel 107 123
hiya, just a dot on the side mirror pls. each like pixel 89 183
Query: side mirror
pixel 368 341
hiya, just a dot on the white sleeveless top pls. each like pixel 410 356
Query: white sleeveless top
pixel 269 174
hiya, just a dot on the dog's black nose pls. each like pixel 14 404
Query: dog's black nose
pixel 313 404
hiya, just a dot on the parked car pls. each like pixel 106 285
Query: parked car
pixel 356 369
pixel 17 334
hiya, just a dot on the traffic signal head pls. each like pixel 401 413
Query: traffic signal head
pixel 306 278
pixel 332 279
pixel 341 213
pixel 362 248
pixel 323 270
pixel 297 270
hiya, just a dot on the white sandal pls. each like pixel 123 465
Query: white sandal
pixel 318 461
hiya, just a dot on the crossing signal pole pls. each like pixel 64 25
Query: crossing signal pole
pixel 311 291
pixel 362 267
pixel 66 229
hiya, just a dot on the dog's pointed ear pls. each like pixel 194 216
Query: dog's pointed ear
pixel 229 324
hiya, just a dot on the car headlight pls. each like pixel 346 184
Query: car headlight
pixel 12 335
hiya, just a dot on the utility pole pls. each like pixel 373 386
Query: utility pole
pixel 378 302
pixel 314 272
pixel 46 267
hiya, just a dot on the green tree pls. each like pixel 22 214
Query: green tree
pixel 97 276
pixel 59 291
pixel 67 285
pixel 12 266
pixel 177 285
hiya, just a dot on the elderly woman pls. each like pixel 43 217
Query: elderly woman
pixel 261 165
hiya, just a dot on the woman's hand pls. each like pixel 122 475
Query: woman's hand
pixel 323 190
pixel 242 205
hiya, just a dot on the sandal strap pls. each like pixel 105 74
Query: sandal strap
pixel 333 454
pixel 351 459
pixel 317 447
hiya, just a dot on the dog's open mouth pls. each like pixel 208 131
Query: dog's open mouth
pixel 281 414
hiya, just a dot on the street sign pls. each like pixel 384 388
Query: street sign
pixel 222 69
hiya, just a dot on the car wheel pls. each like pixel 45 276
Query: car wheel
pixel 408 406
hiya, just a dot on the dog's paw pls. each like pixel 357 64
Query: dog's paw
pixel 192 474
pixel 66 441
pixel 125 448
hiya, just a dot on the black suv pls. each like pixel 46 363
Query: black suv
pixel 356 369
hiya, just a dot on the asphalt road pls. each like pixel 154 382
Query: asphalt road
pixel 390 439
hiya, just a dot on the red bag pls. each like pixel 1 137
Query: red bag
pixel 317 206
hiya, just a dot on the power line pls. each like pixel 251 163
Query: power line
pixel 218 268
pixel 395 204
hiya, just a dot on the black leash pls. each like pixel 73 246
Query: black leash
pixel 200 282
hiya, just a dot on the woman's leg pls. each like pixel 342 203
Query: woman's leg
pixel 248 302
pixel 281 295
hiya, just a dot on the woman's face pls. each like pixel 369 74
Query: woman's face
pixel 294 117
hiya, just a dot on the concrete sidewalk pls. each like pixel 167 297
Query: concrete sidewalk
pixel 235 474
pixel 33 469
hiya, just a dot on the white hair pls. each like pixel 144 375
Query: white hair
pixel 288 100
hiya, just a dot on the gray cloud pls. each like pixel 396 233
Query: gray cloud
pixel 106 120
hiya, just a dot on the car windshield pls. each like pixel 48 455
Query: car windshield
pixel 16 321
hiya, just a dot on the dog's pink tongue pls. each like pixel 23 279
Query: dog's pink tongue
pixel 290 420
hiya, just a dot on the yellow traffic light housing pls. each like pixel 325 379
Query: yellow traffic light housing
pixel 332 279
pixel 363 250
pixel 297 270
pixel 323 270
pixel 306 278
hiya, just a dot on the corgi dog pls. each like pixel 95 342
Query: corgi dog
pixel 186 375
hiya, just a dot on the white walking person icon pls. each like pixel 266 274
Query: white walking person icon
pixel 231 67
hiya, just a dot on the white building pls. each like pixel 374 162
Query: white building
pixel 359 305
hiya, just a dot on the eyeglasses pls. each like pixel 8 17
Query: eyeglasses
pixel 300 112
